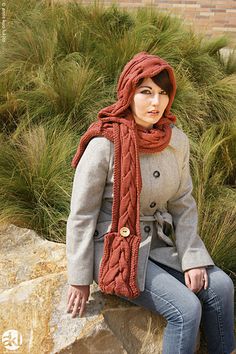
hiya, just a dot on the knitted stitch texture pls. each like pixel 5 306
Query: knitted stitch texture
pixel 118 270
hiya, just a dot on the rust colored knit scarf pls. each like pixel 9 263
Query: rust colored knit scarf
pixel 118 270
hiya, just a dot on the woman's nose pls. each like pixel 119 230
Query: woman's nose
pixel 155 99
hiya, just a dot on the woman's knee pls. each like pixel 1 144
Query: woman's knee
pixel 189 311
pixel 221 284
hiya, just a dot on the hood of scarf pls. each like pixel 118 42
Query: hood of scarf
pixel 152 140
pixel 141 66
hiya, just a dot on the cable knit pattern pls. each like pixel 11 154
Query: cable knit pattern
pixel 128 177
pixel 118 270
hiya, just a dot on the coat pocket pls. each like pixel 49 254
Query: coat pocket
pixel 101 229
pixel 165 229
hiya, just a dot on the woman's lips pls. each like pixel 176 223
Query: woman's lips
pixel 153 112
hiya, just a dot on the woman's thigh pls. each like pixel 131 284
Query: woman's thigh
pixel 219 282
pixel 165 293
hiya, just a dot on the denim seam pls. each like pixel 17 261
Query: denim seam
pixel 168 302
pixel 219 318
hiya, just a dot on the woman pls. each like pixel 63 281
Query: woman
pixel 133 221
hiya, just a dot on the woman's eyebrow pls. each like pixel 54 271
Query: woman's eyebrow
pixel 146 86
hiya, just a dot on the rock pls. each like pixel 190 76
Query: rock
pixel 27 256
pixel 33 302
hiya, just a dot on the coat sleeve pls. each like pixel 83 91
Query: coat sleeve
pixel 88 186
pixel 191 249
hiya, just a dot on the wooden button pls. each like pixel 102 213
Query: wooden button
pixel 124 231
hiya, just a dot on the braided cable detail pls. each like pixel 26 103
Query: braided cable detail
pixel 128 192
pixel 118 270
pixel 117 172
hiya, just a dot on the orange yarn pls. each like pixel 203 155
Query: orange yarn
pixel 118 270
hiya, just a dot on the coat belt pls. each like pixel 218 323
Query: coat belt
pixel 164 226
pixel 162 222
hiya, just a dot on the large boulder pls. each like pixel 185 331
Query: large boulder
pixel 33 295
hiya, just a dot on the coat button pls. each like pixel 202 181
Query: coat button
pixel 96 233
pixel 156 174
pixel 147 228
pixel 153 204
pixel 124 231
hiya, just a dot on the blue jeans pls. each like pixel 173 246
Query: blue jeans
pixel 166 293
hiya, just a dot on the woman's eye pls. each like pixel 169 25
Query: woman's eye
pixel 163 92
pixel 146 92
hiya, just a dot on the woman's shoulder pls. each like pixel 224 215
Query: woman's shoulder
pixel 179 139
pixel 96 155
pixel 97 149
pixel 99 143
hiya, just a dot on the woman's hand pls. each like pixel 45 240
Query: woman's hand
pixel 195 279
pixel 76 298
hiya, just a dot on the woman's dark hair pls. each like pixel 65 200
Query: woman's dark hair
pixel 162 79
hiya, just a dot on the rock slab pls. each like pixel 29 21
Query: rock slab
pixel 33 296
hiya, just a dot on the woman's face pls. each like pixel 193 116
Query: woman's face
pixel 149 103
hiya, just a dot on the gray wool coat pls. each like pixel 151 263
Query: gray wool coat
pixel 168 212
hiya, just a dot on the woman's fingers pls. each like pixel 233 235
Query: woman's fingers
pixel 77 297
pixel 194 279
pixel 187 280
pixel 70 302
pixel 82 306
pixel 206 280
pixel 196 284
pixel 76 302
pixel 69 293
pixel 76 305
pixel 191 281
